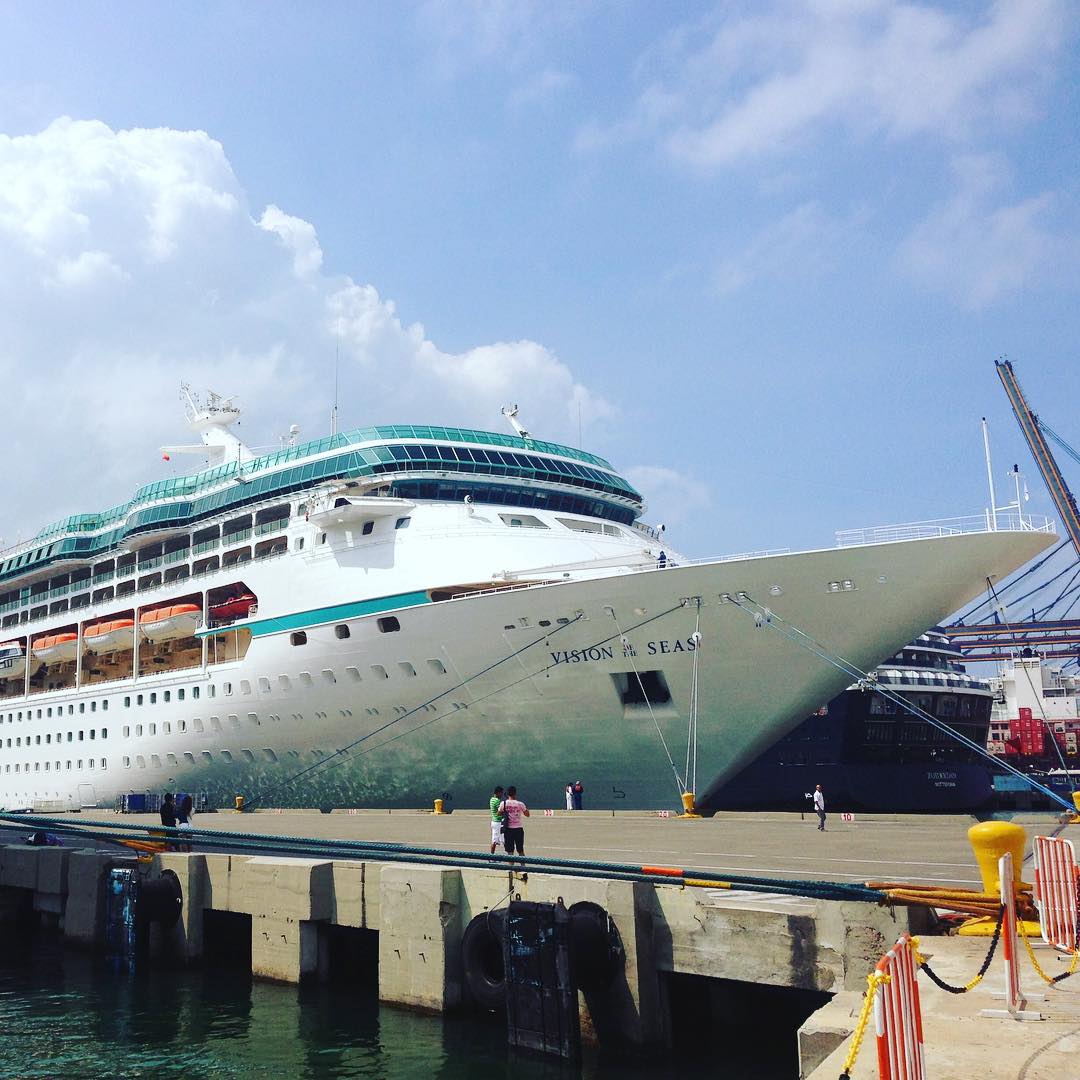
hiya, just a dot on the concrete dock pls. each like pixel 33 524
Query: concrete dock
pixel 900 847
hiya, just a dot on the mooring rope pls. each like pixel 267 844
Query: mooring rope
pixel 628 652
pixel 384 851
pixel 764 616
pixel 340 758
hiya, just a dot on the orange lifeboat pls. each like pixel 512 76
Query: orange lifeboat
pixel 171 622
pixel 233 608
pixel 109 636
pixel 13 661
pixel 56 648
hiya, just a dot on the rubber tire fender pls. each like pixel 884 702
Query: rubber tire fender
pixel 598 951
pixel 482 960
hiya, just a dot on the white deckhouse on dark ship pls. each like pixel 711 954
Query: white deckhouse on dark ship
pixel 395 613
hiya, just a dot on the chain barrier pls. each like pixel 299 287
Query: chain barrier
pixel 939 982
pixel 873 980
pixel 1052 980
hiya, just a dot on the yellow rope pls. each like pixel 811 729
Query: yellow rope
pixel 1035 963
pixel 705 883
pixel 873 980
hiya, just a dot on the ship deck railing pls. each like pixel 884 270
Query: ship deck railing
pixel 959 526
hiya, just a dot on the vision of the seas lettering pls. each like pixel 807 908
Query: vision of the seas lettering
pixel 664 647
pixel 579 656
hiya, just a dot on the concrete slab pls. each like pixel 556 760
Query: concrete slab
pixel 420 937
pixel 961 1044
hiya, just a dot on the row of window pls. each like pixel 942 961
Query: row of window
pixel 228 688
pixel 78 764
pixel 47 712
pixel 21 741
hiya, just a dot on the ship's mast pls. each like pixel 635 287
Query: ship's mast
pixel 211 421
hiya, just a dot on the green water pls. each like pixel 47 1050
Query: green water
pixel 67 1014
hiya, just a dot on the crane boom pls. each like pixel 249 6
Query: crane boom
pixel 1044 459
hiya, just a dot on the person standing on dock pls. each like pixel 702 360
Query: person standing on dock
pixel 579 792
pixel 569 796
pixel 168 811
pixel 819 807
pixel 497 819
pixel 516 812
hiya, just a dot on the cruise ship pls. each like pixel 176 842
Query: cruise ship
pixel 868 754
pixel 393 614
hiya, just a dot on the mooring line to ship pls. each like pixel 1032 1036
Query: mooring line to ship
pixel 335 764
pixel 527 677
pixel 764 616
pixel 692 718
pixel 628 652
pixel 431 701
pixel 380 851
pixel 340 756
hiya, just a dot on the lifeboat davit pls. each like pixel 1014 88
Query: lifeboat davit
pixel 56 648
pixel 112 635
pixel 13 661
pixel 171 622
pixel 235 607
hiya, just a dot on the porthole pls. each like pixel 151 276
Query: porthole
pixel 341 631
pixel 389 624
pixel 298 637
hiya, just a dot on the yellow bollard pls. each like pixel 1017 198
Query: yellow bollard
pixel 439 806
pixel 1075 819
pixel 688 805
pixel 239 804
pixel 990 840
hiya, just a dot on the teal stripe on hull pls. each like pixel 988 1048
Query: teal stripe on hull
pixel 301 620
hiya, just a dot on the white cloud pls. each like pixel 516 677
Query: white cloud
pixel 298 236
pixel 978 248
pixel 771 78
pixel 130 260
pixel 674 498
pixel 804 243
pixel 466 34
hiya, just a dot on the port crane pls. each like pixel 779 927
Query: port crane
pixel 1055 639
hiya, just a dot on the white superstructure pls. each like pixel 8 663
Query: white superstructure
pixel 395 613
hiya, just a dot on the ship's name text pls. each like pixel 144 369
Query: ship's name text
pixel 607 652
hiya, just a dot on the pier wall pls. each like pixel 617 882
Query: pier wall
pixel 420 912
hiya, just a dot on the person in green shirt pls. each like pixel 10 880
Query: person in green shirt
pixel 496 819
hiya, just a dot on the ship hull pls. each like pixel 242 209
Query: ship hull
pixel 474 691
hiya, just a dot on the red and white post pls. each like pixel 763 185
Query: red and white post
pixel 898 1016
pixel 1015 1000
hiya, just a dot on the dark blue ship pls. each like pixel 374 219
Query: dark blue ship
pixel 870 755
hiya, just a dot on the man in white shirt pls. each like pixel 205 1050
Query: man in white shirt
pixel 819 807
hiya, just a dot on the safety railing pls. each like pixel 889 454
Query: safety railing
pixel 924 530
pixel 267 528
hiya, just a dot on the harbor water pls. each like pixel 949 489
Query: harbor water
pixel 66 1013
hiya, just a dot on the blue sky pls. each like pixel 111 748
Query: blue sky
pixel 770 249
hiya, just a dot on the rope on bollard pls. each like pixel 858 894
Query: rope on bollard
pixel 939 982
pixel 873 980
pixel 1052 980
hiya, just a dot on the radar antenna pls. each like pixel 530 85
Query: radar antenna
pixel 510 412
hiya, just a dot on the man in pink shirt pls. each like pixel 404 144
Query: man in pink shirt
pixel 516 812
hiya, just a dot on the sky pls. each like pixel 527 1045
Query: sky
pixel 762 256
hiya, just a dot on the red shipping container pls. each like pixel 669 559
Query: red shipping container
pixel 1025 714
